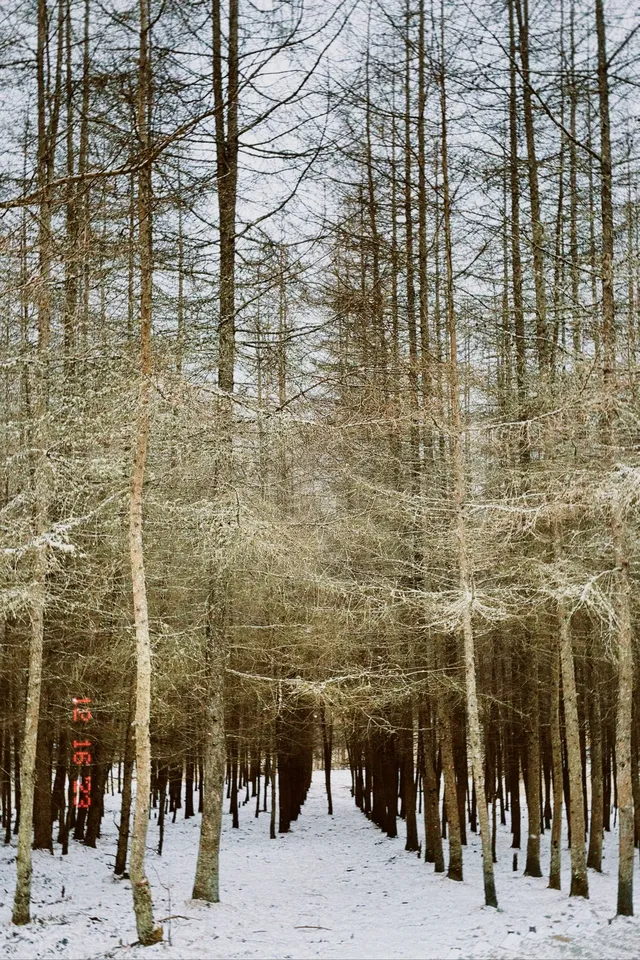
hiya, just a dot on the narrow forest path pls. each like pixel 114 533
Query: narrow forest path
pixel 333 887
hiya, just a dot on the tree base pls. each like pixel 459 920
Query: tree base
pixel 625 898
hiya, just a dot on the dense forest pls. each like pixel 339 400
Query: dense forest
pixel 319 372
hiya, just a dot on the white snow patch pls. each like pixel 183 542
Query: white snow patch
pixel 334 887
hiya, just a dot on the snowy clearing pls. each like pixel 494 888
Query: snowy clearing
pixel 333 887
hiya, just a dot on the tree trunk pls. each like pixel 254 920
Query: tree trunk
pixel 516 259
pixel 142 903
pixel 450 794
pixel 6 782
pixel 226 125
pixel 47 135
pixel 594 854
pixel 272 817
pixel 556 771
pixel 233 806
pixel 163 777
pixel 206 882
pixel 537 226
pixel 58 793
pixel 579 881
pixel 98 784
pixel 327 750
pixel 624 781
pixel 464 561
pixel 608 303
pixel 433 837
pixel 188 792
pixel 72 253
pixel 409 783
pixel 42 818
pixel 125 806
pixel 22 899
pixel 532 866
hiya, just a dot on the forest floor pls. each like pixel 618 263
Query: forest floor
pixel 333 887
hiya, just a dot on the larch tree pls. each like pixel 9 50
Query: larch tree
pixel 142 904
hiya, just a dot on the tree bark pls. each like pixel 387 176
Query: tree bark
pixel 606 199
pixel 476 750
pixel 516 258
pixel 409 783
pixel 556 772
pixel 537 226
pixel 454 871
pixel 47 135
pixel 226 126
pixel 42 818
pixel 22 898
pixel 125 805
pixel 327 750
pixel 142 903
pixel 532 783
pixel 624 781
pixel 594 854
pixel 579 881
pixel 206 885
pixel 433 837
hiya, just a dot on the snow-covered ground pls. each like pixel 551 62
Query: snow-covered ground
pixel 333 887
